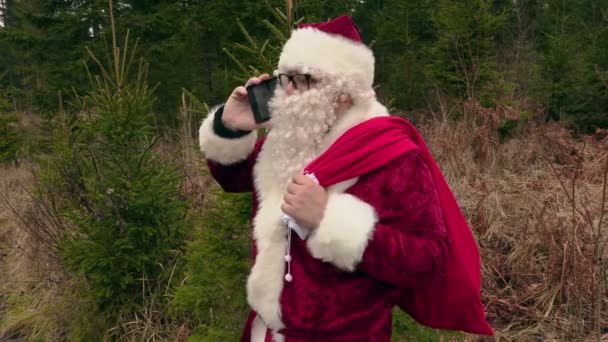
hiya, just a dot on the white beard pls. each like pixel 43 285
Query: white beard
pixel 300 122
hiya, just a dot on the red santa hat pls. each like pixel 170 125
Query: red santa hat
pixel 332 47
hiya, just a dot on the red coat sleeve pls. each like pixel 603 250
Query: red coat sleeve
pixel 236 177
pixel 409 245
pixel 230 159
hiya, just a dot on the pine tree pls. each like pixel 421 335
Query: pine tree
pixel 400 43
pixel 261 56
pixel 572 43
pixel 120 196
pixel 462 59
pixel 41 50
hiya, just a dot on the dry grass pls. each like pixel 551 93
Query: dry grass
pixel 535 204
pixel 32 277
pixel 21 249
pixel 182 150
pixel 151 322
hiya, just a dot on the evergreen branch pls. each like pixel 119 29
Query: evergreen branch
pixel 79 101
pixel 132 57
pixel 196 101
pixel 240 79
pixel 274 49
pixel 106 76
pixel 236 61
pixel 244 48
pixel 146 151
pixel 267 65
pixel 88 72
pixel 142 75
pixel 247 35
pixel 274 30
pixel 279 16
pixel 115 49
pixel 124 56
pixel 254 70
pixel 95 165
pixel 263 47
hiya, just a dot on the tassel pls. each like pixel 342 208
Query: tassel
pixel 288 276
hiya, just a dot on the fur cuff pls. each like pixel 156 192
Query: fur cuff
pixel 342 236
pixel 222 150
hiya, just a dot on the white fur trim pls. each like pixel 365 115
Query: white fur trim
pixel 265 281
pixel 342 236
pixel 312 48
pixel 222 150
pixel 258 330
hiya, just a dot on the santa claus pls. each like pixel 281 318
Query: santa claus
pixel 376 224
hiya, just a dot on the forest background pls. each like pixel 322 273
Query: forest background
pixel 112 229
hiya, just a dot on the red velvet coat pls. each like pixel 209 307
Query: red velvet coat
pixel 407 248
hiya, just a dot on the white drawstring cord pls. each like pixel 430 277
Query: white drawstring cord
pixel 302 232
pixel 288 276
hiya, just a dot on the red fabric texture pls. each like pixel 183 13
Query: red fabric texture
pixel 453 302
pixel 409 248
pixel 341 26
pixel 405 262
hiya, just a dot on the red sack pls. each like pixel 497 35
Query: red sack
pixel 452 302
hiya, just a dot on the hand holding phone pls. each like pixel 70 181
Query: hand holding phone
pixel 259 97
pixel 238 113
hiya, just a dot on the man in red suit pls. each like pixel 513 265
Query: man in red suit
pixel 364 243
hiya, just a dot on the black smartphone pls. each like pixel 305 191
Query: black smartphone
pixel 259 96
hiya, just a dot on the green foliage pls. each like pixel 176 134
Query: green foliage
pixel 262 56
pixel 217 265
pixel 41 46
pixel 406 329
pixel 574 44
pixel 121 197
pixel 10 139
pixel 507 128
pixel 427 53
pixel 399 43
pixel 5 104
pixel 465 33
